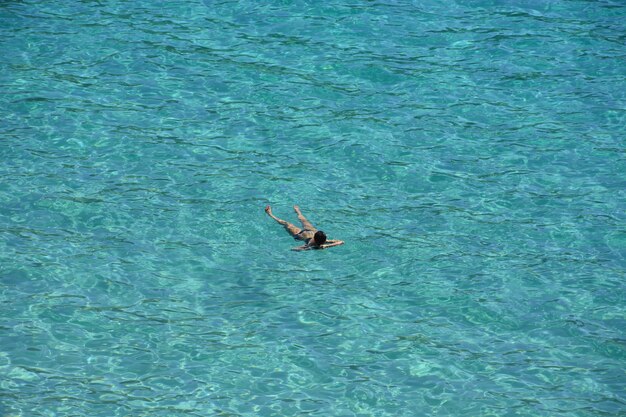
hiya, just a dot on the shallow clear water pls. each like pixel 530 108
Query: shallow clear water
pixel 471 155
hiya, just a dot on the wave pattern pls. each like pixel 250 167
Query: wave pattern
pixel 470 153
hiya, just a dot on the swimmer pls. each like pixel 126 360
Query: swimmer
pixel 312 238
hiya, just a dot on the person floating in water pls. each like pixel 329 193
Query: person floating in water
pixel 313 238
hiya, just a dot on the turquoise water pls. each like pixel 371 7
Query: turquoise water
pixel 471 154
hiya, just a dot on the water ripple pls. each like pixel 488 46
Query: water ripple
pixel 469 155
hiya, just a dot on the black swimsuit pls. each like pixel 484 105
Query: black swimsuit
pixel 305 235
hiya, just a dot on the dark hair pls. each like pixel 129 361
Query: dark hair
pixel 320 237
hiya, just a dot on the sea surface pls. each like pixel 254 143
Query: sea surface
pixel 471 154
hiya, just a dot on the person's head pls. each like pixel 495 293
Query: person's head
pixel 319 238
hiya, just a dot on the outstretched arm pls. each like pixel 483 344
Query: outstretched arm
pixel 331 243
